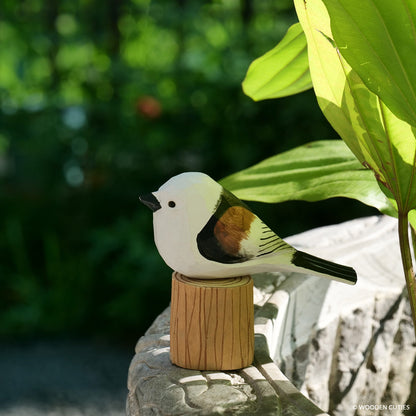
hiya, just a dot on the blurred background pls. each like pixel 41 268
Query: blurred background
pixel 102 101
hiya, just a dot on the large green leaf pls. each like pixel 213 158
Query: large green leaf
pixel 387 142
pixel 378 40
pixel 282 71
pixel 379 139
pixel 315 171
pixel 327 73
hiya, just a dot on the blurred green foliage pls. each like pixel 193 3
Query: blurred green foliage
pixel 102 101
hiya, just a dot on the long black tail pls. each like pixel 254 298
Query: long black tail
pixel 324 267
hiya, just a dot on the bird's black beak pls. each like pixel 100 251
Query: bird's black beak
pixel 150 201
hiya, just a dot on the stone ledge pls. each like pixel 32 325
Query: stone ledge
pixel 339 345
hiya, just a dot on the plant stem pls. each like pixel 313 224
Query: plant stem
pixel 407 263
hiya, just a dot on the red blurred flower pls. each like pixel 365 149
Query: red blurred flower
pixel 148 107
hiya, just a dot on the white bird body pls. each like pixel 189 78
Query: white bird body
pixel 201 230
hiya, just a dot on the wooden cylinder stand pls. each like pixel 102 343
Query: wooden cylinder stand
pixel 212 323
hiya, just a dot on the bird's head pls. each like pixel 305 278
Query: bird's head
pixel 188 198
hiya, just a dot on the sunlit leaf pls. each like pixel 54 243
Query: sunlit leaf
pixel 328 76
pixel 388 143
pixel 312 172
pixel 379 139
pixel 282 71
pixel 378 40
pixel 412 219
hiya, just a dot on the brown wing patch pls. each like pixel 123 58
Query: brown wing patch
pixel 233 227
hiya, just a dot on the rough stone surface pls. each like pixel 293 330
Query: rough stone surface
pixel 349 349
pixel 159 388
pixel 360 347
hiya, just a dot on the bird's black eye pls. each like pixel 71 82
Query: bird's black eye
pixel 172 204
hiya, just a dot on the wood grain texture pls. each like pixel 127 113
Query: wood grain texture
pixel 212 323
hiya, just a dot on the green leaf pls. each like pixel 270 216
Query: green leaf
pixel 387 142
pixel 378 40
pixel 282 71
pixel 327 73
pixel 379 139
pixel 312 172
pixel 412 220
